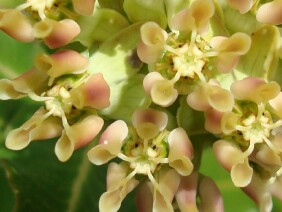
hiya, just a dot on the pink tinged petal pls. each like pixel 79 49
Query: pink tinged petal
pixel 85 130
pixel 7 90
pixel 277 141
pixel 228 122
pixel 198 99
pixel 16 25
pixel 33 130
pixel 226 62
pixel 56 33
pixel 241 173
pixel 187 193
pixel 149 122
pixel 270 12
pixel 258 191
pixel 238 44
pixel 29 82
pixel 220 99
pixel 167 189
pixel 202 11
pixel 163 93
pixel 211 199
pixel 59 64
pixel 153 39
pixel 110 143
pixel 183 21
pixel 94 93
pixel 213 121
pixel 268 157
pixel 227 153
pixel 118 186
pixel 180 151
pixel 242 5
pixel 78 135
pixel 276 105
pixel 84 7
pixel 150 79
pixel 144 198
pixel 257 89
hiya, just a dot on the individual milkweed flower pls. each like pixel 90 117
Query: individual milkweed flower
pixel 251 130
pixel 45 20
pixel 145 149
pixel 71 95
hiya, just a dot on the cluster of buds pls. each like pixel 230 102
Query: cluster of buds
pixel 180 50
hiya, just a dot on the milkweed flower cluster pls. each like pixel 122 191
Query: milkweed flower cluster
pixel 125 73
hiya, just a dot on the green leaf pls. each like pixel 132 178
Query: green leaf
pixel 100 26
pixel 127 96
pixel 191 120
pixel 262 58
pixel 112 4
pixel 16 57
pixel 146 10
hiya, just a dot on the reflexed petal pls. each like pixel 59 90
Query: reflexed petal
pixel 153 39
pixel 211 201
pixel 84 7
pixel 78 135
pixel 56 33
pixel 180 151
pixel 258 90
pixel 213 121
pixel 198 99
pixel 242 5
pixel 58 64
pixel 144 198
pixel 150 79
pixel 163 93
pixel 7 91
pixel 148 54
pixel 149 122
pixel 202 11
pixel 29 82
pixel 110 143
pixel 227 153
pixel 195 17
pixel 220 99
pixel 16 25
pixel 64 147
pixel 167 189
pixel 183 21
pixel 94 93
pixel 239 43
pixel 270 12
pixel 153 35
pixel 32 130
pixel 111 200
pixel 241 174
pixel 226 62
pixel 85 130
pixel 268 157
pixel 276 105
pixel 187 193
